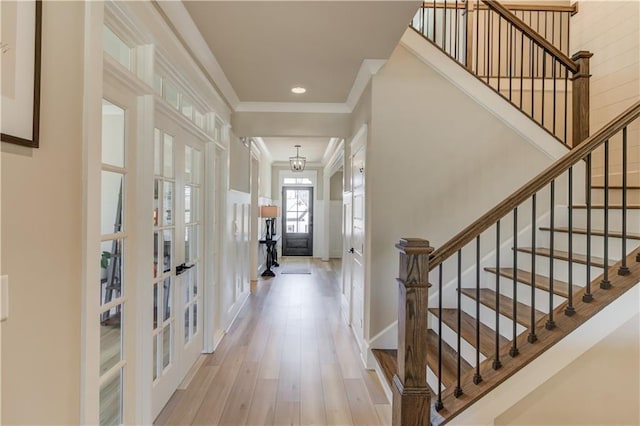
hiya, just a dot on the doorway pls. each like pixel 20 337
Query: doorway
pixel 297 221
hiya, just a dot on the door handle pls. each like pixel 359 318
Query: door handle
pixel 351 250
pixel 180 269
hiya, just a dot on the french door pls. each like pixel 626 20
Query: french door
pixel 177 337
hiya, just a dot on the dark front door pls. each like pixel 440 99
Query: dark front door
pixel 297 221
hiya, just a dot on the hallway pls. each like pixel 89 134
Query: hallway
pixel 289 359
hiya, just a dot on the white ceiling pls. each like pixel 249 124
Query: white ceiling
pixel 267 47
pixel 283 148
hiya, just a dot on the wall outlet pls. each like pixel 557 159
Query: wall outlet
pixel 4 297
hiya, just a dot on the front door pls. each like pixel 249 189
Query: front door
pixel 177 284
pixel 297 221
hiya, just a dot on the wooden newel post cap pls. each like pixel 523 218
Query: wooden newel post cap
pixel 414 262
pixel 582 54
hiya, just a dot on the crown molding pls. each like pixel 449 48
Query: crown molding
pixel 262 147
pixel 299 107
pixel 181 23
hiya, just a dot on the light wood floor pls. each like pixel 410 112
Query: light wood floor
pixel 289 359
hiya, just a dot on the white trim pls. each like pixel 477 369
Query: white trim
pixel 483 95
pixel 368 69
pixel 91 225
pixel 263 149
pixel 308 107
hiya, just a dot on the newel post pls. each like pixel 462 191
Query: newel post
pixel 581 97
pixel 411 395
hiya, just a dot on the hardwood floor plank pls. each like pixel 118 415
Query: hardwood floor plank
pixel 335 396
pixel 236 409
pixel 362 410
pixel 193 396
pixel 384 414
pixel 263 404
pixel 287 414
pixel 215 399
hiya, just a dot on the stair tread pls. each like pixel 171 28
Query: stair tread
pixel 449 360
pixel 468 330
pixel 594 232
pixel 611 206
pixel 563 255
pixel 387 361
pixel 387 358
pixel 560 288
pixel 488 298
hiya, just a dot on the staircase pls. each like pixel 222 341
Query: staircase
pixel 521 278
pixel 538 265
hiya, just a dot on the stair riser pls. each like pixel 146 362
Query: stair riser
pixel 615 196
pixel 488 317
pixel 450 337
pixel 524 294
pixel 597 219
pixel 561 269
pixel 561 242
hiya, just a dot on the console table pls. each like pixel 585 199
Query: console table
pixel 272 255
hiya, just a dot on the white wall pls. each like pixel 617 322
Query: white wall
pixel 611 31
pixel 290 124
pixel 41 239
pixel 602 386
pixel 436 161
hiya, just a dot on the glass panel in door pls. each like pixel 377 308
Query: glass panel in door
pixel 297 220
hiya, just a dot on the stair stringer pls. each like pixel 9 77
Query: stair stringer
pixel 483 94
pixel 484 411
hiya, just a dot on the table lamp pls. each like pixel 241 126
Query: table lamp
pixel 270 213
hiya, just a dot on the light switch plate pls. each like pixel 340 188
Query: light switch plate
pixel 4 297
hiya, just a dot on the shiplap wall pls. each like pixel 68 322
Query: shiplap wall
pixel 611 30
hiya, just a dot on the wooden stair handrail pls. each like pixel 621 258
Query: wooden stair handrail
pixel 532 34
pixel 526 191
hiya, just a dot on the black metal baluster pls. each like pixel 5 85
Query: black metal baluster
pixel 514 343
pixel 477 378
pixel 566 106
pixel 606 284
pixel 510 60
pixel 455 45
pixel 544 76
pixel 532 338
pixel 457 392
pixel 570 310
pixel 439 405
pixel 496 360
pixel 588 297
pixel 532 73
pixel 422 22
pixel 488 43
pixel 550 325
pixel 499 48
pixel 435 10
pixel 477 23
pixel 444 29
pixel 521 68
pixel 624 269
pixel 555 95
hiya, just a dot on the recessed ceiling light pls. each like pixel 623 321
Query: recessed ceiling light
pixel 298 90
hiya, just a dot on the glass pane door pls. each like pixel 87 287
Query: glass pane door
pixel 177 246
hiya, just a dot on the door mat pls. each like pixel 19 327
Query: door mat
pixel 296 270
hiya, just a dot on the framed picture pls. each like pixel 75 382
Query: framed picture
pixel 20 43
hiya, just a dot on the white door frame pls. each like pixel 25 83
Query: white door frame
pixel 333 165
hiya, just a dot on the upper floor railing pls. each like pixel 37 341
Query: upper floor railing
pixel 521 53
